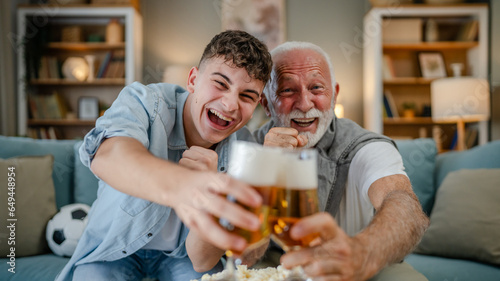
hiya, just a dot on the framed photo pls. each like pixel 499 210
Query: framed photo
pixel 263 19
pixel 88 108
pixel 431 65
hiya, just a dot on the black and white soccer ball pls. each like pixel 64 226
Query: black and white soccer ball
pixel 66 227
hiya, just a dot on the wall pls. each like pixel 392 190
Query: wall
pixel 176 32
pixel 495 69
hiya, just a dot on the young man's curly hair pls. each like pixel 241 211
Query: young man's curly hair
pixel 242 50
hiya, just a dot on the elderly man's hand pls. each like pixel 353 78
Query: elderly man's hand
pixel 335 256
pixel 284 137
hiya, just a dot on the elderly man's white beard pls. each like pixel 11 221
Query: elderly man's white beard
pixel 324 119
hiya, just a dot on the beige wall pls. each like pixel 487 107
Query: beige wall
pixel 176 31
pixel 495 69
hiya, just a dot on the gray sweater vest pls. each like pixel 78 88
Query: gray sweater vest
pixel 336 149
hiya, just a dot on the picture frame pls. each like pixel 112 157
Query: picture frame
pixel 88 108
pixel 263 19
pixel 432 65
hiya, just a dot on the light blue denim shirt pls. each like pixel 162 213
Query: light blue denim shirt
pixel 120 224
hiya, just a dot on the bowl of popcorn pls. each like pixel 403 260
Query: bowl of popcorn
pixel 248 274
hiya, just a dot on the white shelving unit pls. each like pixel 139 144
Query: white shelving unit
pixel 75 15
pixel 374 48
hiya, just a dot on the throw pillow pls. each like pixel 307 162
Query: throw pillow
pixel 62 150
pixel 35 204
pixel 465 220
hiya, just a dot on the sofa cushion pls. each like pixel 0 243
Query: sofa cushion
pixel 442 269
pixel 32 207
pixel 465 221
pixel 479 157
pixel 419 160
pixel 39 268
pixel 62 150
pixel 86 183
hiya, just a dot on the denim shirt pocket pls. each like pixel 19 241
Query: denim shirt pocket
pixel 134 206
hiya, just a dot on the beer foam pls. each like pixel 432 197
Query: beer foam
pixel 301 173
pixel 254 164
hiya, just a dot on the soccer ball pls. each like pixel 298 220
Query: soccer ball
pixel 65 228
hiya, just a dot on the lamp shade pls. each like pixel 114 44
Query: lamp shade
pixel 460 97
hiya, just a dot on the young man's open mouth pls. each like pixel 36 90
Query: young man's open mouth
pixel 218 119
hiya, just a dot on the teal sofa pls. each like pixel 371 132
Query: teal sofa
pixel 427 171
pixel 73 182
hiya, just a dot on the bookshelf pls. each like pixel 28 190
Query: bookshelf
pixel 459 35
pixel 47 35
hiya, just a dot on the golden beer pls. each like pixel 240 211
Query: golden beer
pixel 294 197
pixel 257 166
pixel 290 206
pixel 254 238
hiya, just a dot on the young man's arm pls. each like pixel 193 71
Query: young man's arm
pixel 126 165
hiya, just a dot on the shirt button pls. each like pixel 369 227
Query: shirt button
pixel 222 169
pixel 124 252
pixel 150 234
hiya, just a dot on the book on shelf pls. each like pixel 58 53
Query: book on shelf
pixel 388 68
pixel 468 31
pixel 116 67
pixel 392 103
pixel 389 105
pixel 454 141
pixel 47 106
pixel 471 137
pixel 49 133
pixel 49 68
pixel 104 65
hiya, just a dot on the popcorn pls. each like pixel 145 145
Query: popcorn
pixel 244 274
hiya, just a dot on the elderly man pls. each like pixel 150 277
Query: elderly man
pixel 362 183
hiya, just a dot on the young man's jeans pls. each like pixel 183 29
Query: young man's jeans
pixel 142 264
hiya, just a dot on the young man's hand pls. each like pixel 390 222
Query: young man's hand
pixel 199 159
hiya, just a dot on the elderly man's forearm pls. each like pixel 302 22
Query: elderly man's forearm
pixel 395 230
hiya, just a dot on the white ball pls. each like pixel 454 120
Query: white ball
pixel 66 227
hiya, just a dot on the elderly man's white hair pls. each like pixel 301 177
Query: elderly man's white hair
pixel 271 86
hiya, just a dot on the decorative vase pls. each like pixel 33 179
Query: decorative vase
pixel 114 32
pixel 90 61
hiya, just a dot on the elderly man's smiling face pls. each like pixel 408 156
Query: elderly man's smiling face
pixel 304 97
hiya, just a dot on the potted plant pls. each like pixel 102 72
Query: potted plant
pixel 409 109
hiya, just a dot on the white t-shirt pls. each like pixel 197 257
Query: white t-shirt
pixel 372 162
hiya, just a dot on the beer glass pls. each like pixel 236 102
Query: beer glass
pixel 258 166
pixel 294 197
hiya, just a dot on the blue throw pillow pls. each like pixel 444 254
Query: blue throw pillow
pixel 62 150
pixel 86 183
pixel 419 160
pixel 479 157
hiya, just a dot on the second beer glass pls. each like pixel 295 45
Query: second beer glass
pixel 294 197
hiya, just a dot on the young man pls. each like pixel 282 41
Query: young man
pixel 156 152
pixel 361 182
